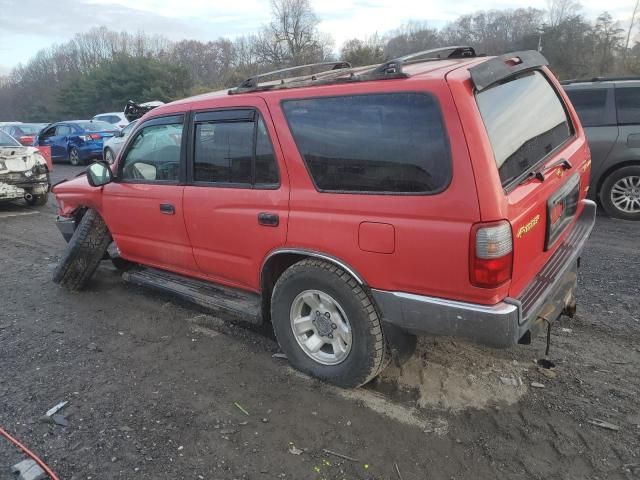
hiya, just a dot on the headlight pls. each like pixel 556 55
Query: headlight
pixel 41 168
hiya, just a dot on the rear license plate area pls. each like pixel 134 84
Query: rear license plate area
pixel 561 208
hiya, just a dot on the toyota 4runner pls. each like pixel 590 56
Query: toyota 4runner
pixel 438 193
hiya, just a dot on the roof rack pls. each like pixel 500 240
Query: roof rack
pixel 338 70
pixel 394 67
pixel 252 82
pixel 600 79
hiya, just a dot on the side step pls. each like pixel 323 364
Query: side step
pixel 243 306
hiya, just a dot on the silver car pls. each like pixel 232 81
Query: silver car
pixel 113 146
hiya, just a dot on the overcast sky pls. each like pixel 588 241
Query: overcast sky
pixel 27 26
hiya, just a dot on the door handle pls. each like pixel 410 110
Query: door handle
pixel 268 219
pixel 167 209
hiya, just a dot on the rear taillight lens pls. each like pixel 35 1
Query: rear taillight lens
pixel 491 254
pixel 95 136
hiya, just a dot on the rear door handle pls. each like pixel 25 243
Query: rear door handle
pixel 167 209
pixel 268 219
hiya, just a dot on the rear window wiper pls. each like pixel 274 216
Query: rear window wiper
pixel 538 173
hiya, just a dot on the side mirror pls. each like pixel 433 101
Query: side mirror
pixel 99 174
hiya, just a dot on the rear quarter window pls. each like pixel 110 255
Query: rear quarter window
pixel 378 143
pixel 628 105
pixel 590 105
pixel 525 121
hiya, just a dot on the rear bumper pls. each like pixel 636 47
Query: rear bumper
pixel 506 323
pixel 90 150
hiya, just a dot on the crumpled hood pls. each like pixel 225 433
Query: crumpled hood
pixel 19 159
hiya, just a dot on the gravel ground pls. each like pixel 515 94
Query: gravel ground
pixel 161 390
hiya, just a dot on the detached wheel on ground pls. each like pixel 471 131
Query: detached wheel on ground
pixel 37 200
pixel 327 325
pixel 74 157
pixel 84 252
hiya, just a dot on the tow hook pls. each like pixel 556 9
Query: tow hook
pixel 570 308
pixel 28 196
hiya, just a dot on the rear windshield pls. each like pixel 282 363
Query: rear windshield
pixel 7 140
pixel 95 126
pixel 525 120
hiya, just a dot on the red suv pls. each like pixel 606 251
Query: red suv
pixel 439 193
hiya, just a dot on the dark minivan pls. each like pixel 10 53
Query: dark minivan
pixel 609 109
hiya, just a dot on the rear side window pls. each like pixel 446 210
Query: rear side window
pixel 386 143
pixel 525 121
pixel 591 106
pixel 235 153
pixel 628 105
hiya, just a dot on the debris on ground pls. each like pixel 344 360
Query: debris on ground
pixel 293 450
pixel 28 470
pixel 340 455
pixel 398 471
pixel 514 382
pixel 56 408
pixel 241 408
pixel 547 373
pixel 279 355
pixel 537 385
pixel 59 419
pixel 603 424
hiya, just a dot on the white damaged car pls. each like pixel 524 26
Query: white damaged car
pixel 23 172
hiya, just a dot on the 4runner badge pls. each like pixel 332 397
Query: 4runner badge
pixel 523 230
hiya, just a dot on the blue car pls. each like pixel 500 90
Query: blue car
pixel 78 141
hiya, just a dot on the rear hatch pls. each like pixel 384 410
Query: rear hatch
pixel 543 165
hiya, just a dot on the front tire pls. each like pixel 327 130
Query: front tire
pixel 327 325
pixel 620 193
pixel 84 252
pixel 74 157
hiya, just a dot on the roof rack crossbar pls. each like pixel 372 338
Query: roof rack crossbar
pixel 252 82
pixel 600 79
pixel 394 67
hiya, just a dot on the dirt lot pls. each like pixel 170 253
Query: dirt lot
pixel 158 390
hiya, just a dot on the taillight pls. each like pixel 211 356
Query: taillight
pixel 490 254
pixel 26 140
pixel 95 136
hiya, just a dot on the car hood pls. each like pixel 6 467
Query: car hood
pixel 19 159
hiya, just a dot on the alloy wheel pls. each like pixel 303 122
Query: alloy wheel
pixel 321 327
pixel 625 194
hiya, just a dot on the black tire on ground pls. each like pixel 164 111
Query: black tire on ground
pixel 38 200
pixel 74 157
pixel 630 172
pixel 84 252
pixel 368 354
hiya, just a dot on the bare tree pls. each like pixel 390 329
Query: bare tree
pixel 560 10
pixel 292 36
pixel 631 24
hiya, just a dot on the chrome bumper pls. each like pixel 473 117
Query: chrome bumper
pixel 508 322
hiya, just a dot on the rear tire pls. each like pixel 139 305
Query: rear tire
pixel 332 315
pixel 38 200
pixel 620 193
pixel 84 252
pixel 74 157
pixel 108 156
